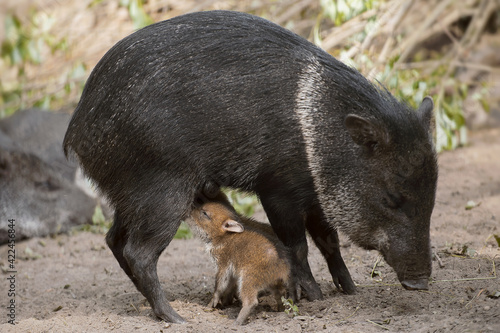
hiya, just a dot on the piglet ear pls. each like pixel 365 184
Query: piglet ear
pixel 232 226
pixel 364 132
pixel 425 110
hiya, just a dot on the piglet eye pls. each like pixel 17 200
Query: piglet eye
pixel 204 214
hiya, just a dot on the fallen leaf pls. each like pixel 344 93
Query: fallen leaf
pixel 497 238
pixel 471 204
pixel 494 295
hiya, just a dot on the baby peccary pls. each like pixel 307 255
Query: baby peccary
pixel 249 260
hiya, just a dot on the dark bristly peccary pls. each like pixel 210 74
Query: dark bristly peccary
pixel 250 258
pixel 233 99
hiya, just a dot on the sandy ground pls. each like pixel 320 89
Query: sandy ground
pixel 72 283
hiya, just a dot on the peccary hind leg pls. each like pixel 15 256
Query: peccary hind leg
pixel 116 238
pixel 138 256
pixel 327 240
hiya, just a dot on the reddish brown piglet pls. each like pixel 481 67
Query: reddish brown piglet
pixel 249 261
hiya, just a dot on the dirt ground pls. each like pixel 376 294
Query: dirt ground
pixel 72 283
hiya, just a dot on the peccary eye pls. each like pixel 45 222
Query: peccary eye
pixel 393 200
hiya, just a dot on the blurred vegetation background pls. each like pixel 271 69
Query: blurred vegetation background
pixel 448 49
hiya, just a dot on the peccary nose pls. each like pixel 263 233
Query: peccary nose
pixel 420 284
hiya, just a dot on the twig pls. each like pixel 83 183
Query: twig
pixel 380 23
pixel 205 4
pixel 440 262
pixel 374 323
pixel 340 34
pixel 134 307
pixel 343 319
pixel 356 24
pixel 479 20
pixel 394 23
pixel 442 25
pixel 378 284
pixel 41 92
pixel 466 279
pixel 480 67
pixel 129 293
pixel 476 26
pixel 479 293
pixel 493 269
pixel 375 266
pixel 429 65
pixel 417 36
pixel 436 281
pixel 294 9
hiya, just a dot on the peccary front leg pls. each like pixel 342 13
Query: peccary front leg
pixel 288 224
pixel 327 240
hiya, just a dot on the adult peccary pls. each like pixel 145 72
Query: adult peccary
pixel 234 99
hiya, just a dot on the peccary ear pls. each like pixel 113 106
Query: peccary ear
pixel 232 226
pixel 364 132
pixel 425 110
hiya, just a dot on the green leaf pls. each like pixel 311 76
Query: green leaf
pixel 98 216
pixel 138 15
pixel 290 308
pixel 485 104
pixel 184 232
pixel 95 3
pixel 16 56
pixel 242 202
pixel 497 238
pixel 44 102
pixel 78 71
pixel 34 51
pixel 471 204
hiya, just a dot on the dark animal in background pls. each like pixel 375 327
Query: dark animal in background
pixel 41 133
pixel 37 183
pixel 249 257
pixel 234 99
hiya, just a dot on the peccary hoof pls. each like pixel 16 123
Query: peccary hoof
pixel 421 284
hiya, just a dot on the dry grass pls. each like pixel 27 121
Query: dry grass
pixel 396 31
